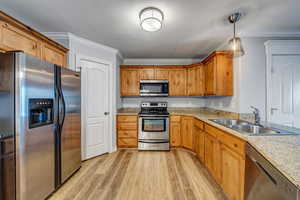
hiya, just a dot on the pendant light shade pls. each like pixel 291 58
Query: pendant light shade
pixel 235 43
pixel 151 19
pixel 236 46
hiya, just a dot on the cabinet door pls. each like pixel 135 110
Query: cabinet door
pixel 161 74
pixel 187 132
pixel 191 81
pixel 177 82
pixel 147 74
pixel 199 143
pixel 233 170
pixel 15 39
pixel 175 134
pixel 199 89
pixel 224 75
pixel 53 55
pixel 130 82
pixel 210 75
pixel 212 156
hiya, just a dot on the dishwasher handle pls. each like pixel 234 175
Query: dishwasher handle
pixel 265 171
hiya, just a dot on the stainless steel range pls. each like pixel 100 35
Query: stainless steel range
pixel 154 126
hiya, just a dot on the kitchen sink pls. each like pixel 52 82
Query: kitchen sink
pixel 250 128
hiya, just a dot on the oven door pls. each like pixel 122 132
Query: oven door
pixel 154 88
pixel 154 128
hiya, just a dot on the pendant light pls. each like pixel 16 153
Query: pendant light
pixel 151 19
pixel 235 43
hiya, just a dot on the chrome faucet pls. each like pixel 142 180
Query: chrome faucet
pixel 256 115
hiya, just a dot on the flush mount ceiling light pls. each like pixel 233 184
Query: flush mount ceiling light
pixel 235 43
pixel 151 19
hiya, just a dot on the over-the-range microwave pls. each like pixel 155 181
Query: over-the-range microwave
pixel 154 88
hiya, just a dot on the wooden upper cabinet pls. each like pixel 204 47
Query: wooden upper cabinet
pixel 177 82
pixel 195 81
pixel 53 55
pixel 187 136
pixel 13 38
pixel 161 74
pixel 130 82
pixel 16 36
pixel 147 73
pixel 219 74
pixel 212 77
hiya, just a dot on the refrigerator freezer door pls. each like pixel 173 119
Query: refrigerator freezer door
pixel 35 155
pixel 71 127
pixel 7 132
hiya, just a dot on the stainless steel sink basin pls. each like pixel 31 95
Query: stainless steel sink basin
pixel 252 129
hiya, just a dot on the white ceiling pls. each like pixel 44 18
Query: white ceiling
pixel 191 29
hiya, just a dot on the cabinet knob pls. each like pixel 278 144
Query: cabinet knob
pixel 106 113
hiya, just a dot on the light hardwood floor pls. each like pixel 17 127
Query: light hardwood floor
pixel 134 175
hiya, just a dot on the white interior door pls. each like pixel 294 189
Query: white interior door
pixel 95 94
pixel 284 90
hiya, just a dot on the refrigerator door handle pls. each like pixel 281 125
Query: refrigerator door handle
pixel 63 114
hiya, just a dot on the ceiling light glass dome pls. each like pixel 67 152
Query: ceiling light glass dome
pixel 151 19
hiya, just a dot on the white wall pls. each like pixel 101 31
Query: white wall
pixel 249 79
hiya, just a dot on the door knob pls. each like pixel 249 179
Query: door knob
pixel 106 113
pixel 273 109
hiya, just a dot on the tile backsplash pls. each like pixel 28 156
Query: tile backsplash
pixel 131 102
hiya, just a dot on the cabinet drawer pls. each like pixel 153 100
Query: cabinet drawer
pixel 212 130
pixel 175 118
pixel 127 118
pixel 127 126
pixel 127 142
pixel 127 134
pixel 199 124
pixel 233 143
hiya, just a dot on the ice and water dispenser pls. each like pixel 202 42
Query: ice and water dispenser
pixel 40 112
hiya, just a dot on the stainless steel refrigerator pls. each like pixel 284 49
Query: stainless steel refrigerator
pixel 40 134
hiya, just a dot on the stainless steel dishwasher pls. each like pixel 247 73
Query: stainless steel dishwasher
pixel 264 181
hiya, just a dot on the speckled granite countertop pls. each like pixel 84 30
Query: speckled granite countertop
pixel 282 151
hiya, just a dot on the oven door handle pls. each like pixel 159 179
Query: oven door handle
pixel 154 117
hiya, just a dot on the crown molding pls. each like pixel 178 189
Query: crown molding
pixel 270 34
pixel 71 36
pixel 159 61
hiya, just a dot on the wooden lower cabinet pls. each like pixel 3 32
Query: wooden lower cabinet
pixel 175 131
pixel 199 137
pixel 127 127
pixel 233 173
pixel 187 132
pixel 212 156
